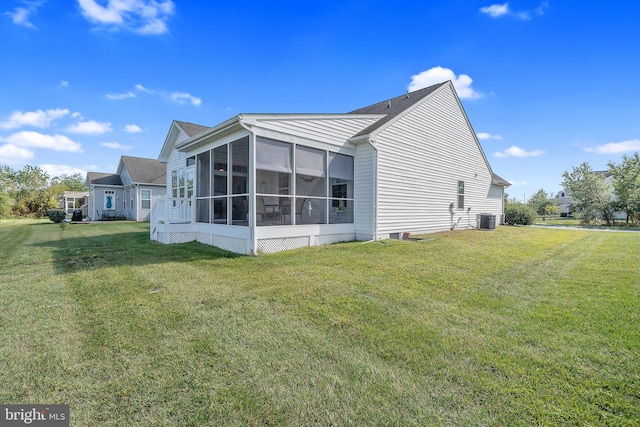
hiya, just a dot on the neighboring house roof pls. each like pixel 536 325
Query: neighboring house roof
pixel 100 178
pixel 144 171
pixel 393 107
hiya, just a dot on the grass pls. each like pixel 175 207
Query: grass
pixel 517 326
pixel 554 220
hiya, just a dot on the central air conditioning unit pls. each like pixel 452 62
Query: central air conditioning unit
pixel 486 221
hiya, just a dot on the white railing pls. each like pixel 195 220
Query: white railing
pixel 170 210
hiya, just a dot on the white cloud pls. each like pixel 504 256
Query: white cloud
pixel 57 170
pixel 496 10
pixel 118 96
pixel 515 183
pixel 485 135
pixel 143 89
pixel 30 139
pixel 435 75
pixel 20 15
pixel 63 83
pixel 90 127
pixel 616 147
pixel 515 151
pixel 38 118
pixel 115 145
pixel 12 154
pixel 183 97
pixel 139 16
pixel 132 129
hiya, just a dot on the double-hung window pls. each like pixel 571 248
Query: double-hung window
pixel 145 199
pixel 460 194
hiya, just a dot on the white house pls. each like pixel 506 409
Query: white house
pixel 270 182
pixel 129 193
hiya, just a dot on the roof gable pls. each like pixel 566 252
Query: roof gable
pixel 393 108
pixel 191 129
pixel 143 171
pixel 178 131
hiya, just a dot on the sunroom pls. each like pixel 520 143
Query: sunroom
pixel 252 193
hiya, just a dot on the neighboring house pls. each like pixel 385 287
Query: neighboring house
pixel 129 193
pixel 565 202
pixel 271 182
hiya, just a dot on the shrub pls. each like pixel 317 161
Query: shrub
pixel 518 214
pixel 56 215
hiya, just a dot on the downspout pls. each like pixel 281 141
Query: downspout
pixel 374 214
pixel 252 187
pixel 135 202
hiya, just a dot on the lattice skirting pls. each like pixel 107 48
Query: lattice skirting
pixel 183 237
pixel 288 243
pixel 269 246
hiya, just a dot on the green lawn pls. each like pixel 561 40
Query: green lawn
pixel 517 326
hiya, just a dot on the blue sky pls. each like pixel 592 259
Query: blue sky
pixel 547 85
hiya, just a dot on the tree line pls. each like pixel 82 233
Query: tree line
pixel 599 195
pixel 595 195
pixel 31 192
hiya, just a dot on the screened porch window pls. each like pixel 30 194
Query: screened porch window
pixel 341 188
pixel 311 187
pixel 224 198
pixel 273 182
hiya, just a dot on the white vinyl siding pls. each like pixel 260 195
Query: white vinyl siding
pixel 364 183
pixel 421 158
pixel 334 131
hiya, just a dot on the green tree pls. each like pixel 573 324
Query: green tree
pixel 31 194
pixel 590 193
pixel 517 213
pixel 6 191
pixel 74 182
pixel 626 185
pixel 541 203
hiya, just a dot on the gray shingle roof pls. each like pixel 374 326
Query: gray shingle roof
pixel 103 178
pixel 145 171
pixel 393 107
pixel 191 128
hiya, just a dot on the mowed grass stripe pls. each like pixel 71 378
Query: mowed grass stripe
pixel 512 327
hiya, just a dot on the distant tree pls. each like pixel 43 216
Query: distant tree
pixel 542 204
pixel 31 194
pixel 626 185
pixel 6 191
pixel 590 193
pixel 74 182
